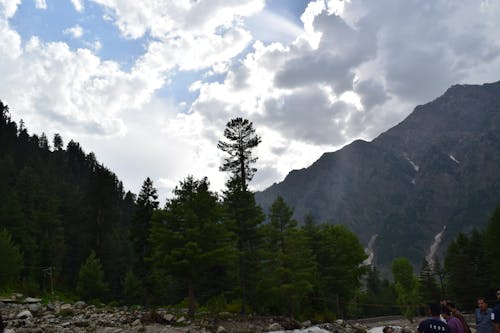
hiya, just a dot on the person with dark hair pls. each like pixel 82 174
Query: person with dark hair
pixel 453 322
pixel 434 324
pixel 388 329
pixel 484 323
pixel 460 316
pixel 495 314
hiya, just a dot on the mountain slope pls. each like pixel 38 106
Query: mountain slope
pixel 439 167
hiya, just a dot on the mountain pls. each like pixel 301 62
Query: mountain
pixel 439 168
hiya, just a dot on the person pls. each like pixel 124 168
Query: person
pixel 484 323
pixel 495 314
pixel 453 322
pixel 388 329
pixel 459 315
pixel 433 324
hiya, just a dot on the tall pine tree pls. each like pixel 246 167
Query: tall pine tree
pixel 147 203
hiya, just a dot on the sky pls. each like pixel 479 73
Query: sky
pixel 149 85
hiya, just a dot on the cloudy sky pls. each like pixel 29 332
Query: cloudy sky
pixel 148 85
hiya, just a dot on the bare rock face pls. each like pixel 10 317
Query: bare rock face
pixel 437 167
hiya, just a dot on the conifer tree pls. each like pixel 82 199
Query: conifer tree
pixel 241 140
pixel 91 284
pixel 11 260
pixel 241 213
pixel 188 239
pixel 289 267
pixel 147 203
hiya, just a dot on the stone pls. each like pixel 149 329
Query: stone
pixel 79 305
pixel 66 310
pixel 136 322
pixel 181 320
pixel 221 329
pixel 306 323
pixel 35 307
pixel 32 300
pixel 24 315
pixel 8 330
pixel 51 307
pixel 275 327
pixel 169 317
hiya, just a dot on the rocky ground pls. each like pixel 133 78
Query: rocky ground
pixel 31 315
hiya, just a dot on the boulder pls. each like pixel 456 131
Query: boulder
pixel 66 310
pixel 79 305
pixel 35 308
pixel 30 300
pixel 24 315
pixel 169 317
pixel 275 327
pixel 221 329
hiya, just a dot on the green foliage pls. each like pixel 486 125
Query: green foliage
pixel 339 257
pixel 91 284
pixel 242 217
pixel 241 140
pixel 11 261
pixel 133 291
pixel 492 238
pixel 288 268
pixel 140 230
pixel 428 289
pixel 468 268
pixel 405 282
pixel 188 239
pixel 379 297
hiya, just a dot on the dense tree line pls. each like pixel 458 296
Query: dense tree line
pixel 66 223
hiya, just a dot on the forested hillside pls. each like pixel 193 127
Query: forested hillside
pixel 59 203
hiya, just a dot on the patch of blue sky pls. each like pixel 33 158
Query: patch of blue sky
pixel 49 25
pixel 180 81
pixel 292 10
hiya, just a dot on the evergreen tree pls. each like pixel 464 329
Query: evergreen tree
pixel 147 203
pixel 406 286
pixel 11 261
pixel 241 213
pixel 133 292
pixel 241 140
pixel 428 289
pixel 289 267
pixel 91 285
pixel 188 239
pixel 492 238
pixel 339 257
pixel 57 142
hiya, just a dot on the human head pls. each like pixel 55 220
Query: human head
pixel 435 309
pixel 482 304
pixel 452 307
pixel 498 294
pixel 388 329
pixel 445 312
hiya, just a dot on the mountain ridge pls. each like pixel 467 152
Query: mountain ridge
pixel 438 167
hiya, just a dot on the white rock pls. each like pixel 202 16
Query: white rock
pixel 275 327
pixel 136 322
pixel 24 314
pixel 221 329
pixel 181 320
pixel 169 317
pixel 32 300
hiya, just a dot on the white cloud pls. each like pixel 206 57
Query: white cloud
pixel 75 31
pixel 78 4
pixel 354 69
pixel 8 8
pixel 358 68
pixel 41 4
